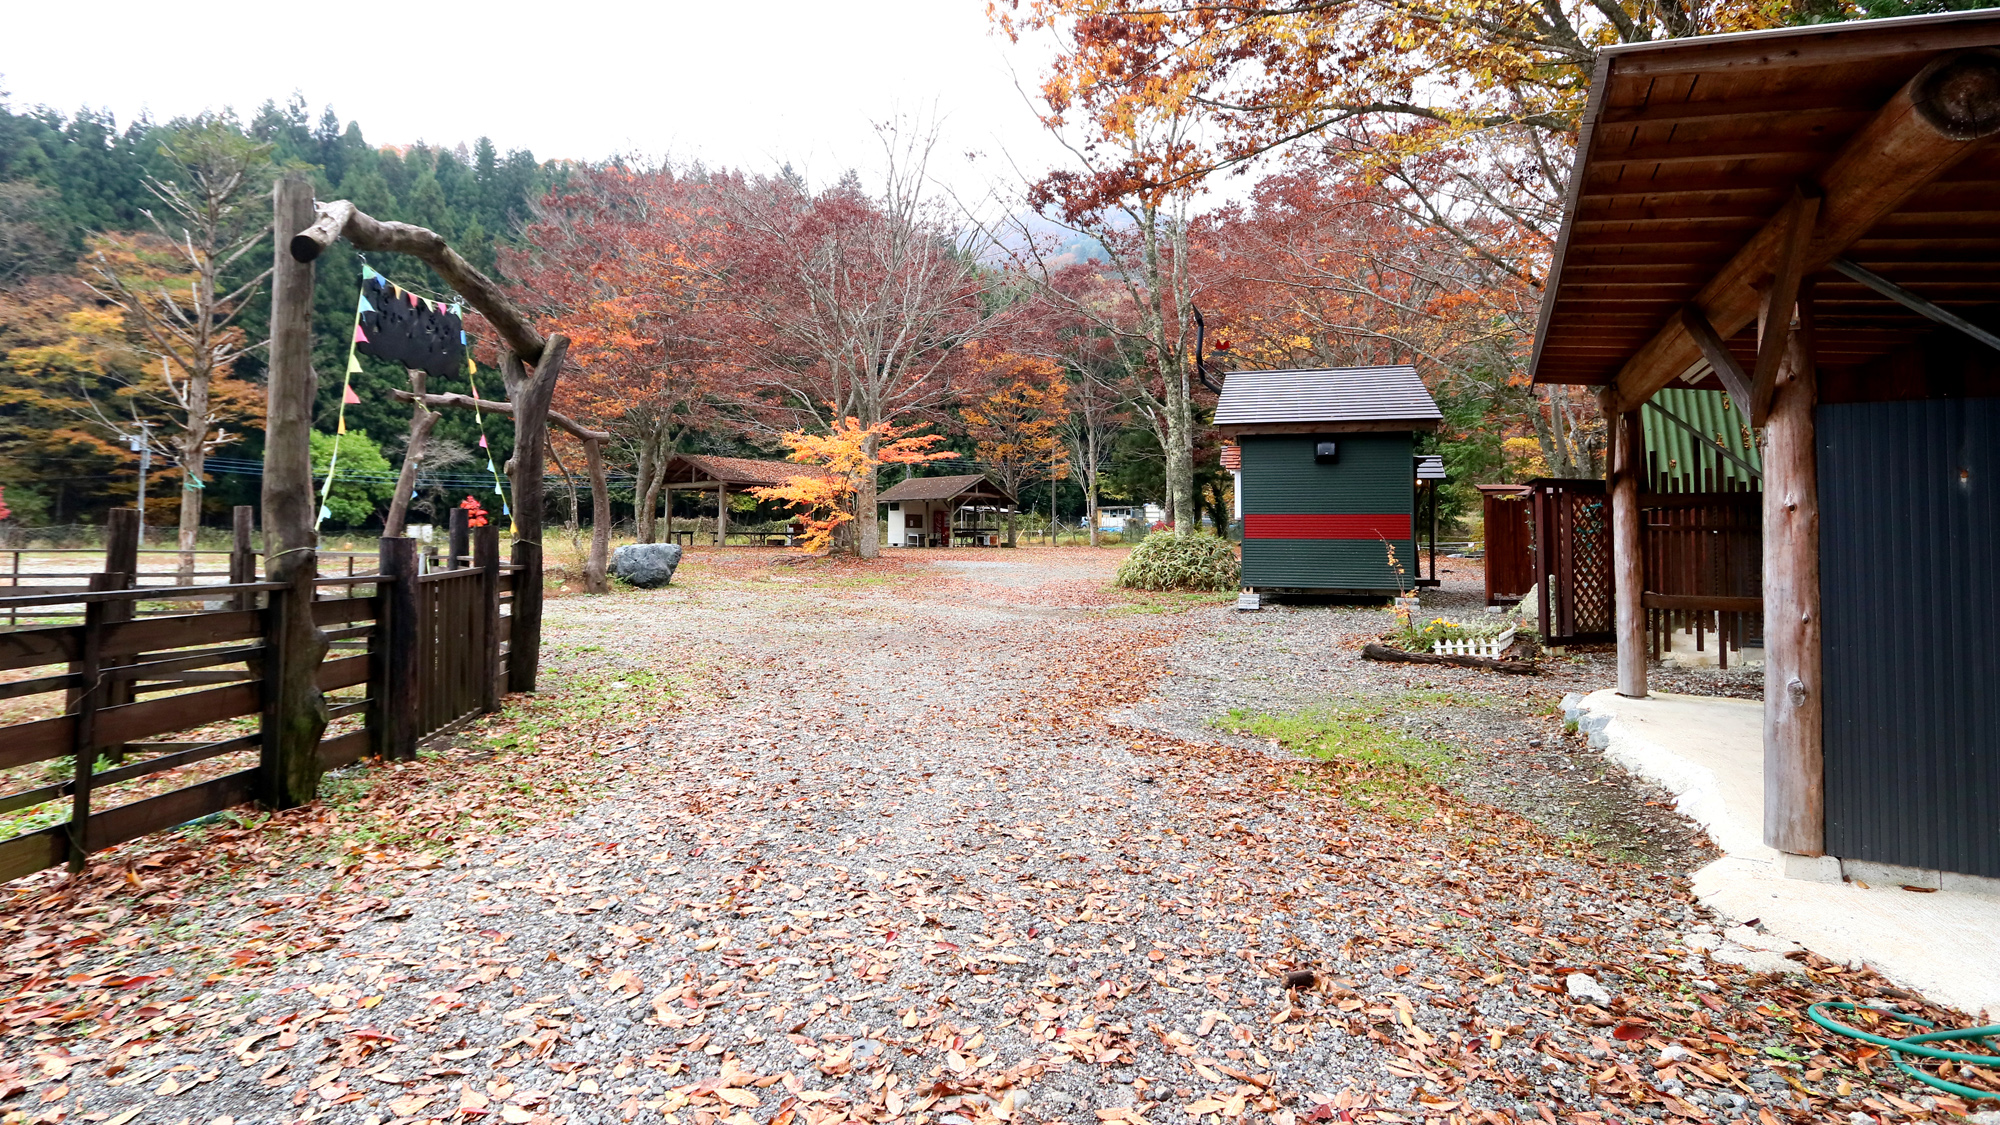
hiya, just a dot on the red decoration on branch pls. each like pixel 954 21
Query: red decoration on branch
pixel 475 515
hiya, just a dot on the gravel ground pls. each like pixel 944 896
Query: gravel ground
pixel 959 842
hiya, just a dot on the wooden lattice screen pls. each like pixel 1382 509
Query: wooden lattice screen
pixel 1573 561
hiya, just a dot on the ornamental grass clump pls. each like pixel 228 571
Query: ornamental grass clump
pixel 1173 562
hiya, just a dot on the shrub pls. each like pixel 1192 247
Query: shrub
pixel 1171 562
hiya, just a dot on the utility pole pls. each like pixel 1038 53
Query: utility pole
pixel 139 444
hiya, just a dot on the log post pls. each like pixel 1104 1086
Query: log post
pixel 243 552
pixel 295 714
pixel 1794 769
pixel 90 699
pixel 486 556
pixel 121 560
pixel 401 679
pixel 721 513
pixel 600 521
pixel 413 455
pixel 460 540
pixel 531 397
pixel 1628 572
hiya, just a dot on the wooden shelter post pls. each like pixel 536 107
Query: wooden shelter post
pixel 721 514
pixel 1628 572
pixel 1794 765
pixel 295 714
pixel 243 553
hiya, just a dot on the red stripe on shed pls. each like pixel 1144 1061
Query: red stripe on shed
pixel 1392 525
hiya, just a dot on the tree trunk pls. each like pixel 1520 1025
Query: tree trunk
pixel 1090 481
pixel 413 455
pixel 1011 514
pixel 192 462
pixel 600 521
pixel 647 476
pixel 531 397
pixel 868 526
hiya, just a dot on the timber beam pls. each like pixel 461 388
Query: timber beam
pixel 1936 120
pixel 341 219
pixel 469 403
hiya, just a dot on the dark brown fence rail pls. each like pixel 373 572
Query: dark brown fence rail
pixel 117 725
pixel 1703 555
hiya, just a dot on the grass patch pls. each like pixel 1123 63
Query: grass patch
pixel 1370 765
pixel 1165 601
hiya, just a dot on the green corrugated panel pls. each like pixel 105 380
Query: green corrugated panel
pixel 1674 451
pixel 1374 475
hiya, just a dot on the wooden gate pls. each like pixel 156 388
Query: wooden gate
pixel 1575 602
pixel 1510 542
pixel 452 646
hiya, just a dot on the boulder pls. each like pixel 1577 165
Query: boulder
pixel 646 565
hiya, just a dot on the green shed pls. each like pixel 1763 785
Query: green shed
pixel 1328 475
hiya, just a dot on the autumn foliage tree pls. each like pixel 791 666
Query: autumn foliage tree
pixel 844 463
pixel 851 304
pixel 1018 427
pixel 627 258
pixel 183 311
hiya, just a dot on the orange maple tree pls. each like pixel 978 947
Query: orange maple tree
pixel 844 460
pixel 1018 427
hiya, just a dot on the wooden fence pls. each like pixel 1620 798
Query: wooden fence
pixel 118 725
pixel 1572 522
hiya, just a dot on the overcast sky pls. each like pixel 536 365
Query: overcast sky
pixel 739 84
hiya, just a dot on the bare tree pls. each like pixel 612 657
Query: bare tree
pixel 173 294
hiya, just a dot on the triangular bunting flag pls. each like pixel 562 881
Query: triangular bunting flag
pixel 368 271
pixel 348 396
pixel 365 306
pixel 470 367
pixel 342 428
pixel 489 466
pixel 395 290
pixel 325 512
pixel 413 299
pixel 353 364
pixel 360 337
pixel 482 441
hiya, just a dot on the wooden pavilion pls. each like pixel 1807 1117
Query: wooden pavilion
pixel 699 472
pixel 934 511
pixel 1809 219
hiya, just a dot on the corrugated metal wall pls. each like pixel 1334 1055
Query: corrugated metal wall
pixel 1909 535
pixel 1375 476
pixel 1676 465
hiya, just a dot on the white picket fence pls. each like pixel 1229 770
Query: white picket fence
pixel 1490 647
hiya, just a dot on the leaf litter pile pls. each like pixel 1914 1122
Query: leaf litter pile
pixel 832 842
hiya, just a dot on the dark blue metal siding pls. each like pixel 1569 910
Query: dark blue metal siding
pixel 1909 603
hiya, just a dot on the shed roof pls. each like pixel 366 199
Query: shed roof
pixel 1689 148
pixel 963 486
pixel 692 468
pixel 1331 398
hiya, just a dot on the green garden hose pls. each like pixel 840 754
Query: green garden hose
pixel 1915 1045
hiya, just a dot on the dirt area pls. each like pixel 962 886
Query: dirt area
pixel 942 840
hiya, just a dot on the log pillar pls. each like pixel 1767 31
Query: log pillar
pixel 295 713
pixel 1628 571
pixel 600 520
pixel 243 552
pixel 1794 769
pixel 459 540
pixel 721 513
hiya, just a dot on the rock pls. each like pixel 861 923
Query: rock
pixel 1673 1054
pixel 646 565
pixel 1984 1117
pixel 1583 986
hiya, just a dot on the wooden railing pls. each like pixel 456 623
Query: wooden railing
pixel 121 725
pixel 1703 569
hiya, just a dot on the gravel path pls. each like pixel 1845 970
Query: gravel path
pixel 955 841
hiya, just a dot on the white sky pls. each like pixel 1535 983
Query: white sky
pixel 735 84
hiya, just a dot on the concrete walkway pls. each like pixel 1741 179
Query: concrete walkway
pixel 1709 752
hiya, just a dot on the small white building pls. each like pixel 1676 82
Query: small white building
pixel 1115 519
pixel 954 511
